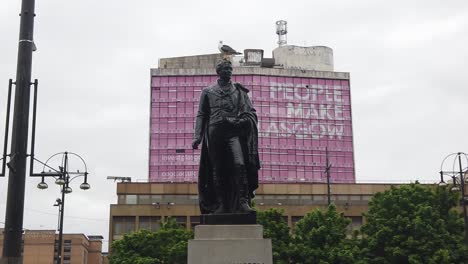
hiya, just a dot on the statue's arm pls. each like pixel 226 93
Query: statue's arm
pixel 203 115
pixel 247 111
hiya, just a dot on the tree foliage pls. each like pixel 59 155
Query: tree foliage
pixel 413 224
pixel 320 237
pixel 275 228
pixel 168 245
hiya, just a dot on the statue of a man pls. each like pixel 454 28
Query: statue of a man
pixel 226 125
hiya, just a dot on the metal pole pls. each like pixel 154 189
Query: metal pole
pixel 328 178
pixel 17 165
pixel 462 186
pixel 67 181
pixel 60 240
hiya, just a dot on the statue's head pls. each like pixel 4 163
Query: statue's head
pixel 224 70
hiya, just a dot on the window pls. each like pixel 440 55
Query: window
pixel 356 223
pixel 150 223
pixel 295 219
pixel 194 221
pixel 123 224
pixel 130 199
pixel 181 220
pixel 67 259
pixel 144 199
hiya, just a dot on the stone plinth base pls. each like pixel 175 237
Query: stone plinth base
pixel 229 219
pixel 229 244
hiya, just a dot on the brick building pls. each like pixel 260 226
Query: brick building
pixel 40 247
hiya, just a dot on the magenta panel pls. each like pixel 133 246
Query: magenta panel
pixel 299 118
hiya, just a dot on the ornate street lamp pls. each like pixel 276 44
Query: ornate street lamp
pixel 63 177
pixel 458 181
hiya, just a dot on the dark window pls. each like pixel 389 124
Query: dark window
pixel 180 220
pixel 123 224
pixel 356 223
pixel 295 219
pixel 150 223
pixel 194 221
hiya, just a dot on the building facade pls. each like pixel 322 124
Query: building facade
pixel 304 118
pixel 40 247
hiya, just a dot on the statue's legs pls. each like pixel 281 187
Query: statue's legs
pixel 229 172
pixel 218 186
pixel 244 201
pixel 238 178
pixel 217 156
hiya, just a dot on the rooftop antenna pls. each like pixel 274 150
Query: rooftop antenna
pixel 282 31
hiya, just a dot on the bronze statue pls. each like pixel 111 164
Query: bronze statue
pixel 226 125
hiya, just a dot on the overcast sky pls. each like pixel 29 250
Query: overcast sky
pixel 407 60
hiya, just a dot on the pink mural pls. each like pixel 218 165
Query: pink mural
pixel 299 119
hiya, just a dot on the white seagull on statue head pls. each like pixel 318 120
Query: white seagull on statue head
pixel 226 50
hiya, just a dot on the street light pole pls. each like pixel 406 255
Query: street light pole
pixel 60 240
pixel 61 208
pixel 63 179
pixel 463 200
pixel 59 204
pixel 328 178
pixel 17 166
pixel 460 181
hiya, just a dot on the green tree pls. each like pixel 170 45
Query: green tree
pixel 277 229
pixel 414 224
pixel 320 237
pixel 165 246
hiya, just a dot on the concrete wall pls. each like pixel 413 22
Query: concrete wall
pixel 254 71
pixel 265 189
pixel 207 61
pixel 319 58
pixel 94 252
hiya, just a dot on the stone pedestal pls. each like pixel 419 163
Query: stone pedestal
pixel 229 219
pixel 229 244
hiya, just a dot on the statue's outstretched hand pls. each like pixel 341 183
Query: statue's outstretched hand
pixel 195 143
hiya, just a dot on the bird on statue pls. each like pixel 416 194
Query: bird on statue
pixel 227 51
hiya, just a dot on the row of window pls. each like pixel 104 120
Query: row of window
pixel 266 159
pixel 283 110
pixel 253 84
pixel 191 105
pixel 266 140
pixel 127 224
pixel 265 176
pixel 171 200
pixel 191 100
pixel 251 80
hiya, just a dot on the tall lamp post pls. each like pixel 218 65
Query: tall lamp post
pixel 14 213
pixel 63 177
pixel 458 181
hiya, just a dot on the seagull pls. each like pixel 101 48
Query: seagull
pixel 226 50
